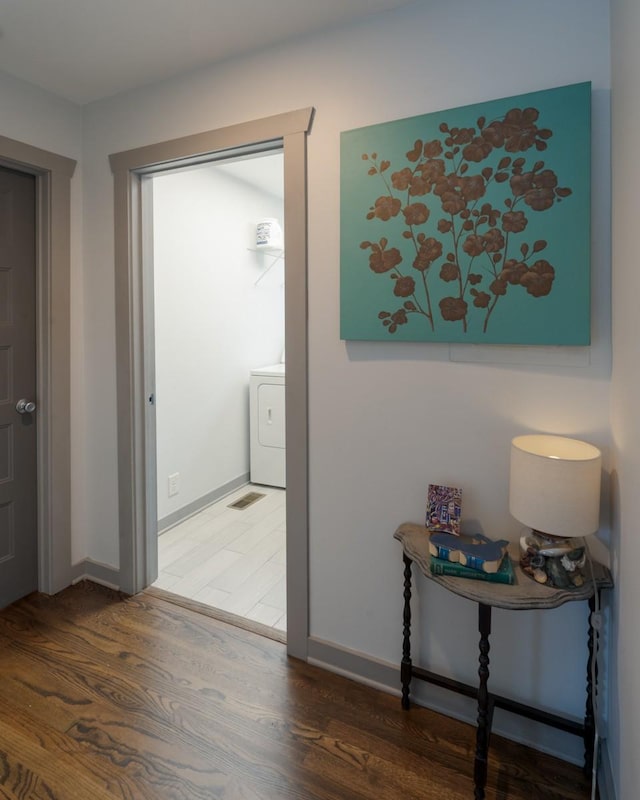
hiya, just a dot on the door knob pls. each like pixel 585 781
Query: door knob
pixel 25 406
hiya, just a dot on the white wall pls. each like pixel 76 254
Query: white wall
pixel 218 315
pixel 624 726
pixel 395 405
pixel 38 118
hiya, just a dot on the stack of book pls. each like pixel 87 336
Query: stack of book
pixel 477 558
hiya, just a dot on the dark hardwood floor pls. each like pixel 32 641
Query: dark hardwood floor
pixel 106 697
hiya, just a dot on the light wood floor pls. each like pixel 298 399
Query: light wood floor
pixel 229 559
pixel 111 698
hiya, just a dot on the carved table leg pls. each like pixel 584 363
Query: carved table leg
pixel 589 721
pixel 405 667
pixel 484 717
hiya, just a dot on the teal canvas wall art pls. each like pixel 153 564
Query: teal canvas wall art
pixel 470 224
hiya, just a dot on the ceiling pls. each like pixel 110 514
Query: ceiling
pixel 85 50
pixel 263 171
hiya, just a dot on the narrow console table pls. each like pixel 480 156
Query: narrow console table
pixel 525 594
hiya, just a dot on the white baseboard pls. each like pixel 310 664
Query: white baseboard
pixel 96 572
pixel 206 500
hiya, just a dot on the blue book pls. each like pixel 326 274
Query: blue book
pixel 477 552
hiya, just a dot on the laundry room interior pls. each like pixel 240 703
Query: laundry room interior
pixel 218 297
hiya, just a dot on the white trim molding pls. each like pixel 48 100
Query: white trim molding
pixel 135 382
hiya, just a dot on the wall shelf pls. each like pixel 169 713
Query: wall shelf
pixel 275 253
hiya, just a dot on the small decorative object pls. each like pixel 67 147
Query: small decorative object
pixel 444 507
pixel 555 491
pixel 476 552
pixel 269 234
pixel 554 561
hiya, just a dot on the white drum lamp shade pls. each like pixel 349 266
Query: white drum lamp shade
pixel 554 484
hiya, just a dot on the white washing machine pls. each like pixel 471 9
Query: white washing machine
pixel 267 425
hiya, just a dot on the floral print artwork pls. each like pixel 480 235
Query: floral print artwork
pixel 470 225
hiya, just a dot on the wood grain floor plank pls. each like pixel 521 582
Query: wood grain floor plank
pixel 150 701
pixel 245 739
pixel 307 688
pixel 311 681
pixel 164 752
pixel 67 751
pixel 28 769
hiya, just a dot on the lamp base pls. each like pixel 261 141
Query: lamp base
pixel 553 560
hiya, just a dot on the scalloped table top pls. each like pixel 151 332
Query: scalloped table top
pixel 525 593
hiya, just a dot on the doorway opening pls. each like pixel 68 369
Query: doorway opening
pixel 135 364
pixel 218 278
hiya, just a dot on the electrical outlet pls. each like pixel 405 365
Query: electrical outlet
pixel 174 484
pixel 596 621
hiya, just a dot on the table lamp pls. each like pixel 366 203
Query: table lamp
pixel 554 489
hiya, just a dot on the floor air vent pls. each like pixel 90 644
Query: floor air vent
pixel 246 500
